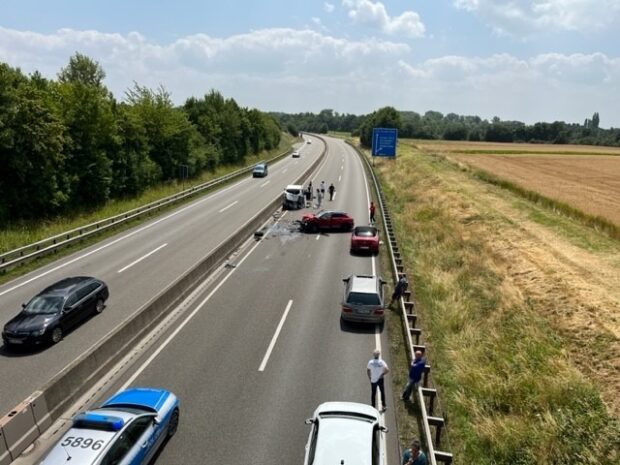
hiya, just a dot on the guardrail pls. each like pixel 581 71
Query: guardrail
pixel 28 420
pixel 409 318
pixel 45 246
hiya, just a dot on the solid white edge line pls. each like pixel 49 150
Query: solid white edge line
pixel 275 337
pixel 228 206
pixel 135 262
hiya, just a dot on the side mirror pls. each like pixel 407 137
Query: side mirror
pixel 309 421
pixel 384 429
pixel 24 305
pixel 345 280
pixel 383 283
pixel 156 421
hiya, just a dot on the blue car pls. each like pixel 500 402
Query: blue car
pixel 127 429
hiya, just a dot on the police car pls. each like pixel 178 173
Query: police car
pixel 127 429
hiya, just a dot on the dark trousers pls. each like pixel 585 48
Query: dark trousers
pixel 373 390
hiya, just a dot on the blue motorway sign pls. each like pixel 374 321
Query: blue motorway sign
pixel 384 142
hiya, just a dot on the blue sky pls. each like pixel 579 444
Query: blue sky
pixel 527 60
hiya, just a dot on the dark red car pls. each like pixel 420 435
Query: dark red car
pixel 365 239
pixel 326 220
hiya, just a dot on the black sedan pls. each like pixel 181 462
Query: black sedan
pixel 54 311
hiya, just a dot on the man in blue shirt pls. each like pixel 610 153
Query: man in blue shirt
pixel 414 456
pixel 415 375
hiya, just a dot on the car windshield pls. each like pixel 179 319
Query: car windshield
pixel 44 305
pixel 365 232
pixel 363 298
pixel 293 191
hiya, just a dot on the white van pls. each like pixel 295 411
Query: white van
pixel 294 196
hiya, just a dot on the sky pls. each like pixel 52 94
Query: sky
pixel 524 60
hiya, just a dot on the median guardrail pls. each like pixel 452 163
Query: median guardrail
pixel 410 320
pixel 51 244
pixel 28 420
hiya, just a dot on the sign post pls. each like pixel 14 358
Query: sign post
pixel 384 142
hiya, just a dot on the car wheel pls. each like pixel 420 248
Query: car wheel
pixel 174 423
pixel 56 335
pixel 99 306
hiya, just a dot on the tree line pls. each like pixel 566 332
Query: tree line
pixel 436 125
pixel 68 145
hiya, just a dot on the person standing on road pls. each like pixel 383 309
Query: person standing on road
pixel 376 370
pixel 331 190
pixel 414 455
pixel 322 187
pixel 319 198
pixel 415 375
pixel 372 212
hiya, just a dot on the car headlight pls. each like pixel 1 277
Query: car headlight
pixel 38 332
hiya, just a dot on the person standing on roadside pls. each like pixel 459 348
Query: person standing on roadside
pixel 372 212
pixel 331 190
pixel 415 375
pixel 376 370
pixel 414 455
pixel 399 289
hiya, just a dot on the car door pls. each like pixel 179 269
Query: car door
pixel 132 446
pixel 70 312
pixel 325 221
pixel 336 222
pixel 87 297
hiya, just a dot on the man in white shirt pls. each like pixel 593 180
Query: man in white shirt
pixel 376 370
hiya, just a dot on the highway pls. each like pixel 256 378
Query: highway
pixel 262 345
pixel 241 402
pixel 136 264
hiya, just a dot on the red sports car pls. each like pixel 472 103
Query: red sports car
pixel 326 220
pixel 365 239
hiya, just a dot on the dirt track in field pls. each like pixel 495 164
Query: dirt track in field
pixel 588 183
pixel 576 290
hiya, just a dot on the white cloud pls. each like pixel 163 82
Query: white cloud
pixel 328 7
pixel 527 17
pixel 375 15
pixel 304 70
pixel 546 87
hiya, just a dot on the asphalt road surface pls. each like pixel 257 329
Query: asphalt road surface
pixel 136 264
pixel 266 345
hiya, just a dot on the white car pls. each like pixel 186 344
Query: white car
pixel 345 432
pixel 296 154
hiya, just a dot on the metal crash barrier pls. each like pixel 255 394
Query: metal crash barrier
pixel 51 244
pixel 427 397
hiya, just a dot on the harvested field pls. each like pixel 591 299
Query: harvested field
pixel 519 304
pixel 491 147
pixel 589 183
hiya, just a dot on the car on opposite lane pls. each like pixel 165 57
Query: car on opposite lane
pixel 296 154
pixel 365 239
pixel 345 432
pixel 55 310
pixel 127 429
pixel 260 170
pixel 327 220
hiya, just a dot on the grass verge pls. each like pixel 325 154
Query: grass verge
pixel 510 392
